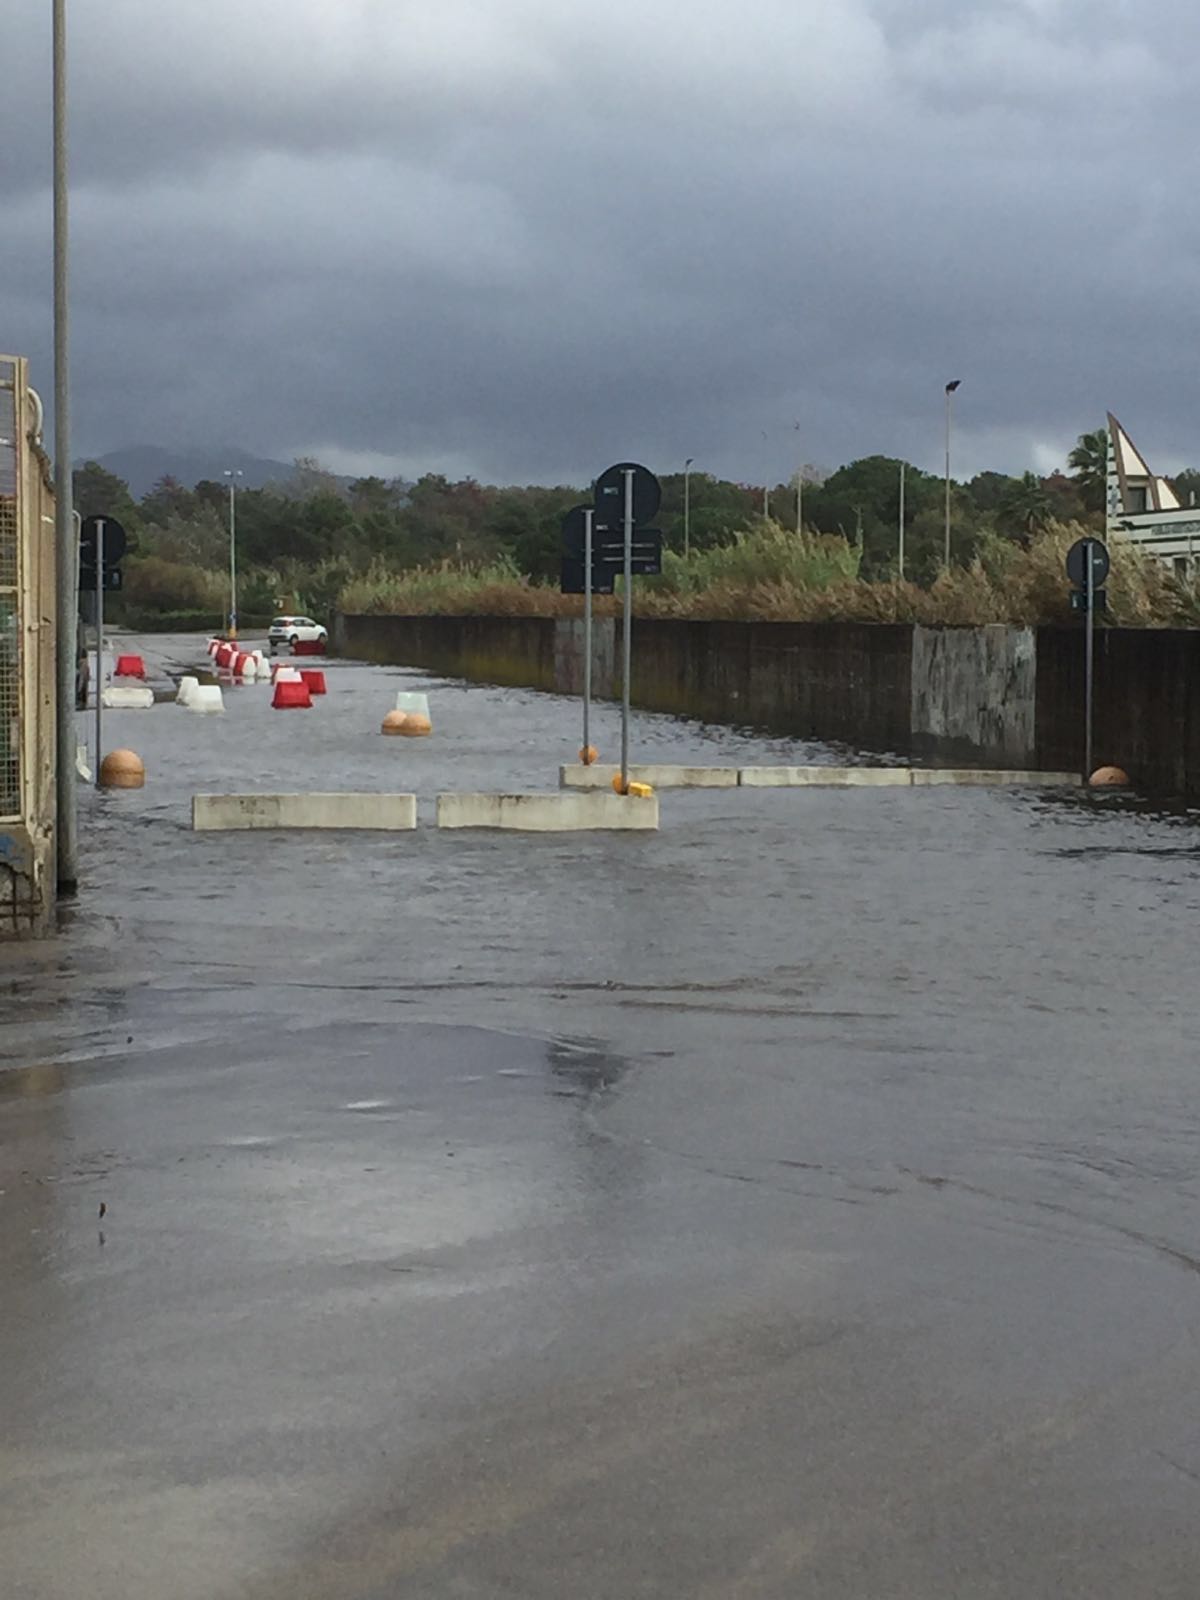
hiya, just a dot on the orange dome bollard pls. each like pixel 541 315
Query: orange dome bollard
pixel 416 726
pixel 589 755
pixel 129 667
pixel 122 769
pixel 619 784
pixel 1109 778
pixel 394 722
pixel 290 696
pixel 314 678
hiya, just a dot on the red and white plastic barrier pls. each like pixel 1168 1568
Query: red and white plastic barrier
pixel 291 694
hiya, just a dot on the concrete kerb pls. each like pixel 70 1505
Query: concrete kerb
pixel 577 776
pixel 548 813
pixel 825 777
pixel 971 776
pixel 900 777
pixel 391 813
pixel 599 777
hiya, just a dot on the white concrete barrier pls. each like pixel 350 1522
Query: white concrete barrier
pixel 187 688
pixel 824 777
pixel 389 813
pixel 996 779
pixel 207 697
pixel 547 813
pixel 577 776
pixel 119 697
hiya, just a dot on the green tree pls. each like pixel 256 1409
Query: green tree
pixel 1066 498
pixel 719 510
pixel 861 501
pixel 100 493
pixel 526 524
pixel 988 489
pixel 1088 462
pixel 168 498
pixel 1027 506
pixel 1187 486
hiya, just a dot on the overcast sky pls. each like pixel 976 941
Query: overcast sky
pixel 523 238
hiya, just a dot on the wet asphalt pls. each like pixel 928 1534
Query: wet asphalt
pixel 801 1201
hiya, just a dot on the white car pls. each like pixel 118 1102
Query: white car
pixel 294 630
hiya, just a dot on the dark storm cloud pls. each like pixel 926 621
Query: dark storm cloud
pixel 518 238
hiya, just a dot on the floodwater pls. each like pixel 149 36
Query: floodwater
pixel 802 1200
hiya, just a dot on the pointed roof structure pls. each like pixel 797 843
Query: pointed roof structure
pixel 1132 487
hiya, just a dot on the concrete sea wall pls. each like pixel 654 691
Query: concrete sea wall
pixel 996 696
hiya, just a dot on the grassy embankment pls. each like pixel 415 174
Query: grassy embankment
pixel 772 574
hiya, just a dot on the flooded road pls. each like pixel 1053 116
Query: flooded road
pixel 800 1201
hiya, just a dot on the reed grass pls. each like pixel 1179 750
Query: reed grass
pixel 773 574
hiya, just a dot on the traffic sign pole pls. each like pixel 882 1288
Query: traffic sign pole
pixel 628 474
pixel 99 640
pixel 1088 565
pixel 587 630
pixel 1089 578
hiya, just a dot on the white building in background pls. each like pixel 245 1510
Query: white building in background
pixel 1145 509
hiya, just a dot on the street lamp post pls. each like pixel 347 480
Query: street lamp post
pixel 66 539
pixel 766 487
pixel 233 474
pixel 950 388
pixel 687 507
pixel 799 488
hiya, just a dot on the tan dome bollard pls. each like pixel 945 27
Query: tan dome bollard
pixel 1109 778
pixel 394 722
pixel 589 755
pixel 122 769
pixel 415 726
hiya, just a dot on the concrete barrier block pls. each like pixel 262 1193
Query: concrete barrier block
pixel 119 697
pixel 577 776
pixel 206 698
pixel 994 778
pixel 390 813
pixel 825 777
pixel 547 813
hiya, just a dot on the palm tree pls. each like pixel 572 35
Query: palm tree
pixel 1027 505
pixel 1089 464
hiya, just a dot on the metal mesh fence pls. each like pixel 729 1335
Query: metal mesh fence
pixel 10 630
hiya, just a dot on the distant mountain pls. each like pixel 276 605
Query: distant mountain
pixel 142 465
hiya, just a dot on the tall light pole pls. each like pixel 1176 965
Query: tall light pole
pixel 799 488
pixel 65 537
pixel 687 507
pixel 233 474
pixel 766 487
pixel 900 552
pixel 950 388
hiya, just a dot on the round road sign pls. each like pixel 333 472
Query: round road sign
pixel 114 541
pixel 1077 562
pixel 610 494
